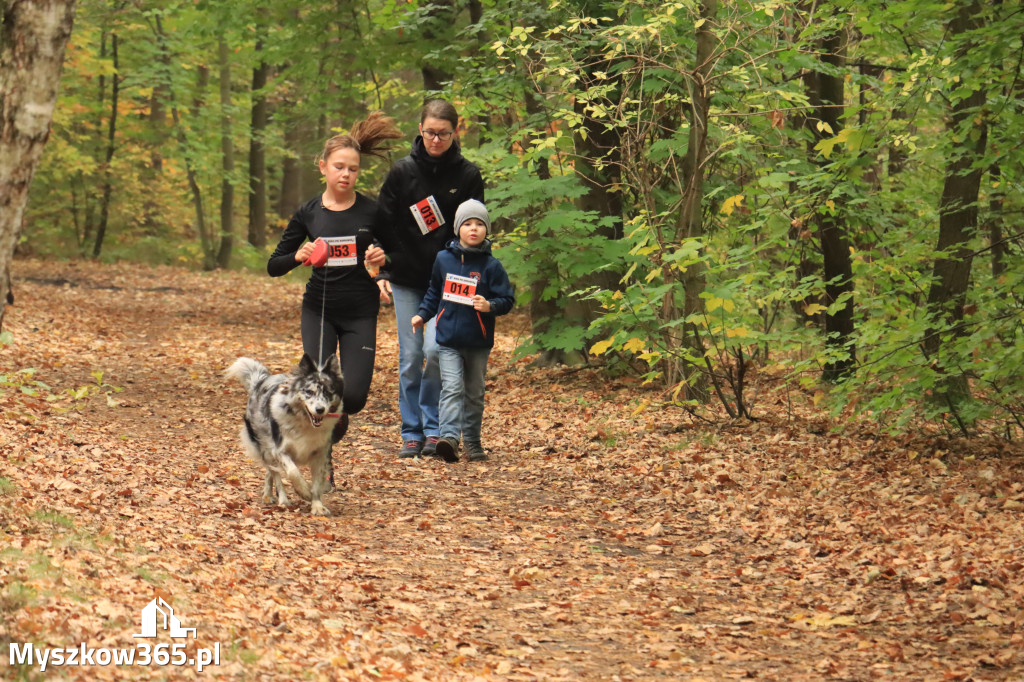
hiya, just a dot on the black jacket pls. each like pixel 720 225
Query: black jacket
pixel 450 180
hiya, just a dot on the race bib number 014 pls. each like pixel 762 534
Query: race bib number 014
pixel 341 251
pixel 459 289
pixel 427 214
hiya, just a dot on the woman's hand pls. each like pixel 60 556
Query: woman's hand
pixel 375 256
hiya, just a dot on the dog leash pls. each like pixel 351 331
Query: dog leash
pixel 320 352
pixel 320 345
pixel 319 362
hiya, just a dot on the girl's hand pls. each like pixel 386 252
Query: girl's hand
pixel 304 252
pixel 481 304
pixel 417 322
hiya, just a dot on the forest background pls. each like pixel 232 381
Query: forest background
pixel 748 239
pixel 824 194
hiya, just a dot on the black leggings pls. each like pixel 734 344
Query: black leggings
pixel 357 338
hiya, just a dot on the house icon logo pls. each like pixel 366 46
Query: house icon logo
pixel 150 621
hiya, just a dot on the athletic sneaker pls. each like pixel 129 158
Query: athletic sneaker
pixel 411 449
pixel 430 447
pixel 448 449
pixel 475 452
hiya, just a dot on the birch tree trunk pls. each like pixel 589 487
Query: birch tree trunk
pixel 33 35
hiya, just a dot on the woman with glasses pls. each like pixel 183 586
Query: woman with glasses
pixel 418 199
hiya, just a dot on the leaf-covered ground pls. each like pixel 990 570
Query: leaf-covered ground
pixel 593 545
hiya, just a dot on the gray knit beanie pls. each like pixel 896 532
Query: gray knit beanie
pixel 471 208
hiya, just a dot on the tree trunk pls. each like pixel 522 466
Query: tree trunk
pixel 441 13
pixel 290 197
pixel 690 223
pixel 997 240
pixel 958 219
pixel 202 80
pixel 159 132
pixel 108 176
pixel 33 35
pixel 203 77
pixel 598 161
pixel 227 148
pixel 257 155
pixel 835 244
pixel 151 214
pixel 89 219
pixel 542 310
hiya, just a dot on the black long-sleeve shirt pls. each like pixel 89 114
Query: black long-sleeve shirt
pixel 343 284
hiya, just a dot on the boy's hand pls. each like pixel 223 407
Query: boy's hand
pixel 417 323
pixel 385 290
pixel 481 304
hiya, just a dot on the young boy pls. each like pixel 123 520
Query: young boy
pixel 468 289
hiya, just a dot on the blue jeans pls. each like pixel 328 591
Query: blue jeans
pixel 419 384
pixel 462 392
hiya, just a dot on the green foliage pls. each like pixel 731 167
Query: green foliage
pixel 581 115
pixel 22 381
pixel 759 259
pixel 55 519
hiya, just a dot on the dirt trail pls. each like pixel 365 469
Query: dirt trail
pixel 591 546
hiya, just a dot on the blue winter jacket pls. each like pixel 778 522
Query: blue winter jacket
pixel 459 325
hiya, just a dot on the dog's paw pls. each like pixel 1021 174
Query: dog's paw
pixel 302 489
pixel 318 509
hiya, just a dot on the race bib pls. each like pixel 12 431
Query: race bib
pixel 459 289
pixel 427 214
pixel 341 251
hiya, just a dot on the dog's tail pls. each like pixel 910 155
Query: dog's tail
pixel 248 371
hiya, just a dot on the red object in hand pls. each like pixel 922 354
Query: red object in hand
pixel 318 256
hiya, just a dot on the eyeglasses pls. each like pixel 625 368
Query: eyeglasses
pixel 433 134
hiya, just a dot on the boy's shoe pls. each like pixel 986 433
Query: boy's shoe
pixel 340 428
pixel 430 447
pixel 475 452
pixel 448 449
pixel 412 448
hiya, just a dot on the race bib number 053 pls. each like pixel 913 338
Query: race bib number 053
pixel 459 289
pixel 427 214
pixel 341 251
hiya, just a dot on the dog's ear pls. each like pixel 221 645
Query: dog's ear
pixel 333 365
pixel 306 365
pixel 333 370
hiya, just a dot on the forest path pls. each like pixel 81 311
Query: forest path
pixel 593 545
